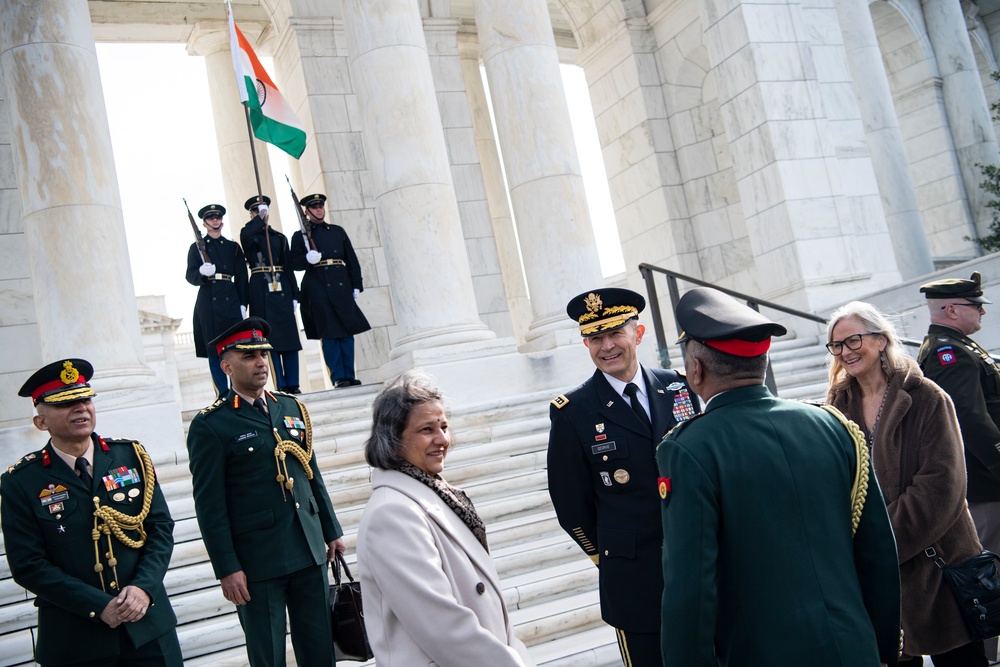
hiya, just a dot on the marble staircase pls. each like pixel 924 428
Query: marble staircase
pixel 498 458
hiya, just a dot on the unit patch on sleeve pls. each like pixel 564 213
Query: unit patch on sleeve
pixel 946 355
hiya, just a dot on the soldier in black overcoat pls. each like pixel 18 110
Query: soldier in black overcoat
pixel 223 293
pixel 602 465
pixel 330 289
pixel 274 291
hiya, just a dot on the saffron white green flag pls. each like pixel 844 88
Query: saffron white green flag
pixel 271 116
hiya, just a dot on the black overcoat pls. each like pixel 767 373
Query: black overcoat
pixel 218 304
pixel 274 306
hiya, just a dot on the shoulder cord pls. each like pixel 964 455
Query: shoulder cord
pixel 303 455
pixel 859 489
pixel 108 520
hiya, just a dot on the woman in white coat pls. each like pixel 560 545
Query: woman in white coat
pixel 432 594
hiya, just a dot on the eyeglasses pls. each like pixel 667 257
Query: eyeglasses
pixel 977 306
pixel 835 347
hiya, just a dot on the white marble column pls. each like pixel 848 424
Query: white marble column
pixel 539 153
pixel 885 140
pixel 211 40
pixel 73 226
pixel 496 189
pixel 431 283
pixel 965 103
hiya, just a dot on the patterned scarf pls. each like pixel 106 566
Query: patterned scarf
pixel 453 497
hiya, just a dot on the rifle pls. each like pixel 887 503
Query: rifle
pixel 198 240
pixel 304 223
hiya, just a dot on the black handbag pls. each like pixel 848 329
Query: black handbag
pixel 976 586
pixel 347 617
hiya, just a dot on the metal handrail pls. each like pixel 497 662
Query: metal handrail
pixel 648 272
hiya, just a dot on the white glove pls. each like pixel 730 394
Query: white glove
pixel 313 256
pixel 244 312
pixel 356 293
pixel 262 210
pixel 207 269
pixel 295 305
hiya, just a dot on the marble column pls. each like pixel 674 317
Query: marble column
pixel 211 40
pixel 433 298
pixel 539 153
pixel 964 100
pixel 496 189
pixel 885 140
pixel 74 231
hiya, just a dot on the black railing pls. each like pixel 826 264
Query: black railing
pixel 648 272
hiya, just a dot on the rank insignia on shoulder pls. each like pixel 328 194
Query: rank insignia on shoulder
pixel 664 487
pixel 560 401
pixel 213 406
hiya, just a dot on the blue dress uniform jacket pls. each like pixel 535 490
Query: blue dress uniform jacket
pixel 760 564
pixel 602 480
pixel 218 304
pixel 248 520
pixel 50 550
pixel 329 309
pixel 968 374
pixel 274 306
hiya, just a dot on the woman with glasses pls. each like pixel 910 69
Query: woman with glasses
pixel 919 462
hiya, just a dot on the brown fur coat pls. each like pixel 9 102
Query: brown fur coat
pixel 920 465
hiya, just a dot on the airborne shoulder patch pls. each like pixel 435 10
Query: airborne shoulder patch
pixel 560 401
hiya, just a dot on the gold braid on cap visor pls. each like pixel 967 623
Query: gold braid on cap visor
pixel 610 318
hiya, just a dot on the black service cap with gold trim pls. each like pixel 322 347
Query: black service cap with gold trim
pixel 312 200
pixel 211 209
pixel 721 322
pixel 250 334
pixel 255 200
pixel 605 309
pixel 957 288
pixel 63 381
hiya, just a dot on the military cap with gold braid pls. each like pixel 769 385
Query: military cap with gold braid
pixel 957 288
pixel 723 323
pixel 605 309
pixel 63 381
pixel 250 334
pixel 212 209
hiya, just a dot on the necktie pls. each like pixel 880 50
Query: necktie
pixel 632 391
pixel 259 404
pixel 85 477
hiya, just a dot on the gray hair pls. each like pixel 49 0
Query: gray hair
pixel 874 322
pixel 390 411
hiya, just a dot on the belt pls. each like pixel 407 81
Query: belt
pixel 220 276
pixel 331 262
pixel 265 269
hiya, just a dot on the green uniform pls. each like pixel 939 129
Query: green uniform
pixel 968 374
pixel 47 514
pixel 760 567
pixel 251 522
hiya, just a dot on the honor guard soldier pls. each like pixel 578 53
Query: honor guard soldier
pixel 330 289
pixel 274 292
pixel 264 513
pixel 220 274
pixel 968 374
pixel 602 465
pixel 87 531
pixel 761 497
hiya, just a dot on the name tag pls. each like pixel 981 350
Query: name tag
pixel 603 447
pixel 246 436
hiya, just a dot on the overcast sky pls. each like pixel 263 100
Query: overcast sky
pixel 165 150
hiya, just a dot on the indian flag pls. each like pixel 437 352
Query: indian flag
pixel 271 116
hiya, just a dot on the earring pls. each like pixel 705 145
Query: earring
pixel 884 360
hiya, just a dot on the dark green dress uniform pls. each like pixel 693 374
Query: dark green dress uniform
pixel 968 374
pixel 253 523
pixel 47 514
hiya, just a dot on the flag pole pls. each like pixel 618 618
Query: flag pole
pixel 256 173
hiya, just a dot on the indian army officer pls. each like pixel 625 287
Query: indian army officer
pixel 264 513
pixel 221 279
pixel 602 465
pixel 274 292
pixel 330 289
pixel 88 532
